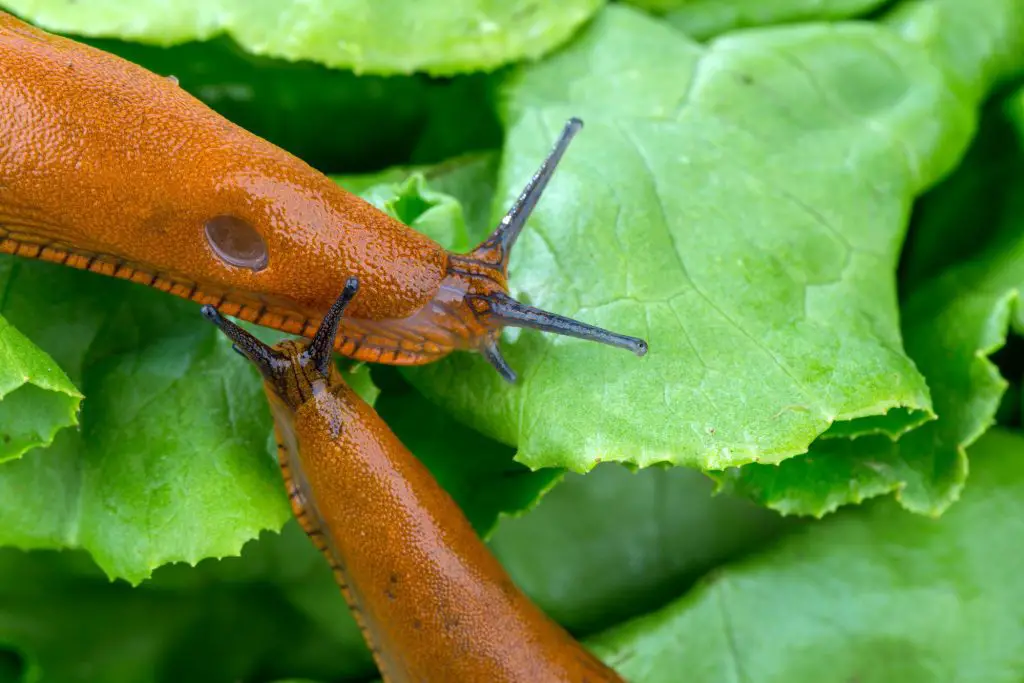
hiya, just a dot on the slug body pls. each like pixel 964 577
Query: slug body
pixel 433 603
pixel 109 167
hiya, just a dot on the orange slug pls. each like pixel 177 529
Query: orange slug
pixel 432 602
pixel 111 168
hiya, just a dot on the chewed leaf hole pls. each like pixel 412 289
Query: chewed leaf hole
pixel 236 242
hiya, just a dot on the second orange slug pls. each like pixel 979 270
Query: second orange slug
pixel 433 604
pixel 111 168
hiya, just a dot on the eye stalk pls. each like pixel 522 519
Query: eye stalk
pixel 272 360
pixel 512 313
pixel 269 361
pixel 502 310
pixel 505 235
pixel 320 349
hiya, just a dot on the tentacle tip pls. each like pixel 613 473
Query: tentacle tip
pixel 210 313
pixel 508 374
pixel 575 124
pixel 351 287
pixel 493 355
pixel 640 348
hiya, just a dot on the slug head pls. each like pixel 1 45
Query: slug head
pixel 294 369
pixel 469 309
pixel 479 303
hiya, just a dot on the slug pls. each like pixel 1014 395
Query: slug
pixel 432 602
pixel 108 167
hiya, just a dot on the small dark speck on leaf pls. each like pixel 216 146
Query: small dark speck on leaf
pixel 7 438
pixel 746 79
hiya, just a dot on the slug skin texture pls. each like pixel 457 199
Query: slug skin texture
pixel 108 167
pixel 432 602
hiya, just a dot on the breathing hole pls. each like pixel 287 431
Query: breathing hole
pixel 236 242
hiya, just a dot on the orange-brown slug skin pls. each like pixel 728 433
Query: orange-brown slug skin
pixel 108 166
pixel 111 168
pixel 433 603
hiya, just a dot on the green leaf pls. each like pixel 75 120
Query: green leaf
pixel 698 170
pixel 433 213
pixel 872 594
pixel 359 378
pixel 613 544
pixel 952 323
pixel 470 179
pixel 173 460
pixel 37 399
pixel 972 195
pixel 440 37
pixel 478 472
pixel 462 119
pixel 276 611
pixel 979 43
pixel 702 19
pixel 273 612
pixel 837 472
pixel 387 120
pixel 382 117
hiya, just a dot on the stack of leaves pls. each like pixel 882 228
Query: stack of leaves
pixel 813 211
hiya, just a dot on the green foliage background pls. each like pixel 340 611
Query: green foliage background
pixel 814 212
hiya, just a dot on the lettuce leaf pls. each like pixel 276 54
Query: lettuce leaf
pixel 440 37
pixel 871 594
